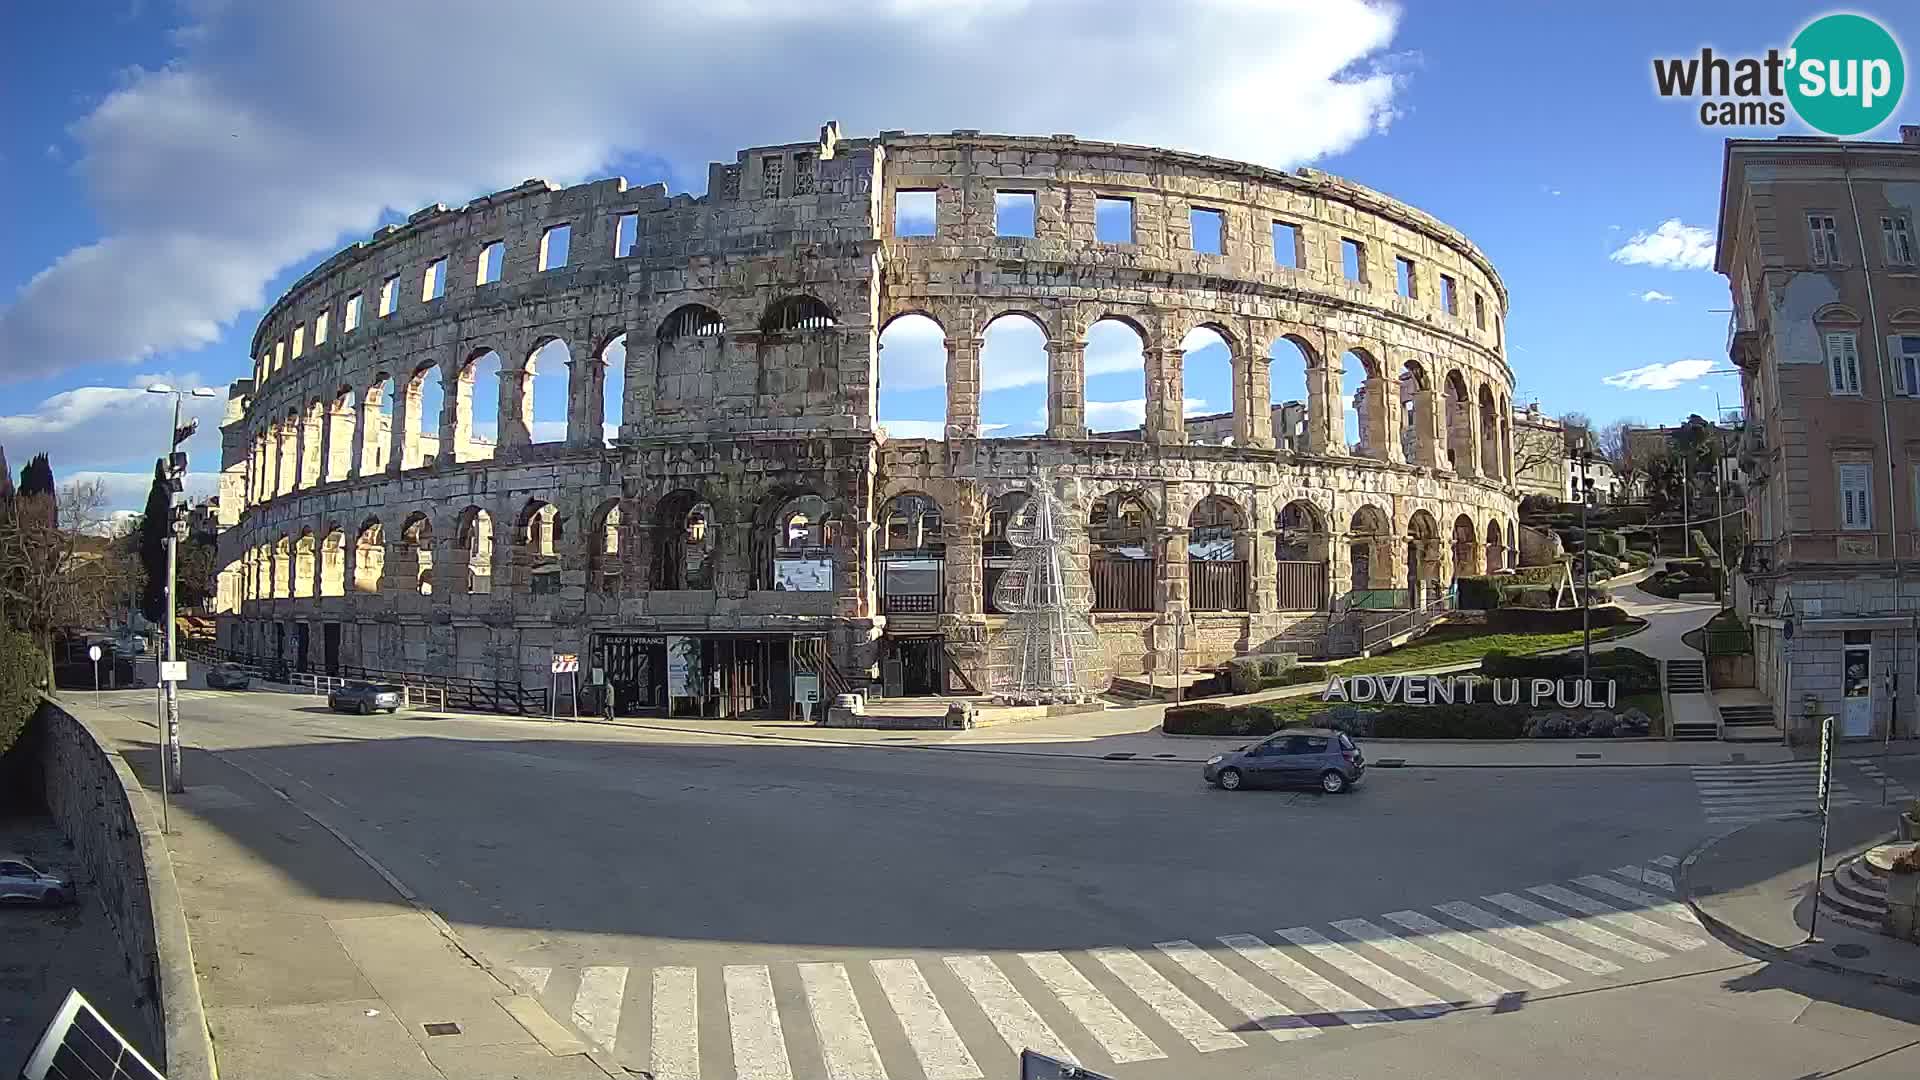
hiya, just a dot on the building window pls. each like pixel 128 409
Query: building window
pixel 1449 295
pixel 1207 230
pixel 1479 312
pixel 914 213
pixel 1013 213
pixel 352 320
pixel 1112 220
pixel 803 174
pixel 493 258
pixel 1353 260
pixel 389 295
pixel 1823 239
pixel 1899 241
pixel 433 284
pixel 1286 245
pixel 553 246
pixel 299 341
pixel 320 328
pixel 626 231
pixel 1906 364
pixel 771 170
pixel 1856 495
pixel 1843 364
pixel 1406 280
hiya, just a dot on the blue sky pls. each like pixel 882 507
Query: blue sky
pixel 172 167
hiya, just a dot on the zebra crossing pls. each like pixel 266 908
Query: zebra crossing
pixel 964 1017
pixel 1741 794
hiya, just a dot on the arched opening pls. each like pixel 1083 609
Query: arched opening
pixel 996 554
pixel 333 562
pixel 341 420
pixel 545 406
pixel 417 534
pixel 1489 436
pixel 305 551
pixel 1466 549
pixel 1461 456
pixel 369 556
pixel 1370 559
pixel 802 540
pixel 1496 549
pixel 1289 361
pixel 1116 380
pixel 283 569
pixel 1504 408
pixel 605 549
pixel 477 420
pixel 288 478
pixel 1301 545
pixel 1013 377
pixel 912 556
pixel 1366 408
pixel 797 357
pixel 420 406
pixel 613 387
pixel 376 425
pixel 536 542
pixel 1424 564
pixel 1217 556
pixel 913 378
pixel 1211 403
pixel 688 351
pixel 796 314
pixel 1418 439
pixel 1120 540
pixel 313 460
pixel 683 543
pixel 476 540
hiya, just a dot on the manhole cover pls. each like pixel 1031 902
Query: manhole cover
pixel 443 1028
pixel 1592 757
pixel 1849 951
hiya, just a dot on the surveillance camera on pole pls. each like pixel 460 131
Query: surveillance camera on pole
pixel 172 671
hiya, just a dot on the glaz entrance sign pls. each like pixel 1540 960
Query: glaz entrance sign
pixel 1468 690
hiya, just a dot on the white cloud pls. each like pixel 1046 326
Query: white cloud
pixel 1118 415
pixel 913 354
pixel 1655 296
pixel 111 427
pixel 212 174
pixel 1659 376
pixel 917 429
pixel 1672 246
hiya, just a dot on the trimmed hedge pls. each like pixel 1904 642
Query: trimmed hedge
pixel 1635 672
pixel 1213 718
pixel 1536 621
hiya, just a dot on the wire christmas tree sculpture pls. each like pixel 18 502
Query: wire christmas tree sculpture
pixel 1048 652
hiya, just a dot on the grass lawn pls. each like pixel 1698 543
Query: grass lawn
pixel 1457 646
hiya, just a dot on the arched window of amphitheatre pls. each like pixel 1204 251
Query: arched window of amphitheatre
pixel 417 534
pixel 1121 550
pixel 1301 542
pixel 369 556
pixel 913 378
pixel 1496 548
pixel 333 562
pixel 1289 359
pixel 1116 380
pixel 476 541
pixel 796 314
pixel 605 548
pixel 1423 558
pixel 1369 556
pixel 996 555
pixel 913 555
pixel 1490 463
pixel 477 406
pixel 376 425
pixel 682 542
pixel 343 427
pixel 1416 420
pixel 1206 365
pixel 536 547
pixel 1013 378
pixel 803 539
pixel 283 569
pixel 419 410
pixel 689 348
pixel 1364 404
pixel 545 406
pixel 304 552
pixel 1217 556
pixel 1466 548
pixel 1462 458
pixel 613 387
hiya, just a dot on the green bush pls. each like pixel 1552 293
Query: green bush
pixel 21 665
pixel 1634 672
pixel 1702 548
pixel 1638 559
pixel 1536 621
pixel 1212 718
pixel 1612 543
pixel 1246 674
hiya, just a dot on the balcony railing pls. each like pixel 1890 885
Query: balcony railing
pixel 1217 585
pixel 1123 584
pixel 1300 585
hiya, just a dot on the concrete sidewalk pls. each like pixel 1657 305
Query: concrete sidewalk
pixel 1753 887
pixel 313 961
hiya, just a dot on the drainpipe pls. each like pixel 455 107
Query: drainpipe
pixel 1886 435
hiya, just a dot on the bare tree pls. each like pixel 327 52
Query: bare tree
pixel 1611 442
pixel 58 569
pixel 1578 426
pixel 1539 453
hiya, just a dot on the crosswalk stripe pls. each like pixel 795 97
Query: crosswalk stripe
pixel 1646 877
pixel 1194 1024
pixel 1756 768
pixel 1254 1003
pixel 1399 992
pixel 535 978
pixel 596 1005
pixel 1012 1017
pixel 759 1047
pixel 1514 934
pixel 943 1056
pixel 1667 861
pixel 1110 1027
pixel 1659 905
pixel 1434 967
pixel 1625 920
pixel 846 1044
pixel 676 1028
pixel 1305 981
pixel 1593 935
pixel 1474 949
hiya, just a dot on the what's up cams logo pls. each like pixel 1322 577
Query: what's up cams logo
pixel 1842 75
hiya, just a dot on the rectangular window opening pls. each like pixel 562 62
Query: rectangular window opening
pixel 299 341
pixel 389 295
pixel 914 213
pixel 626 232
pixel 1286 245
pixel 1013 213
pixel 1208 230
pixel 1405 279
pixel 1906 364
pixel 493 259
pixel 1823 239
pixel 320 328
pixel 553 246
pixel 1479 312
pixel 1112 220
pixel 1899 240
pixel 1353 260
pixel 352 320
pixel 1856 495
pixel 433 284
pixel 1449 295
pixel 1843 364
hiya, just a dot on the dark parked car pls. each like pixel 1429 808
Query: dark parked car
pixel 364 698
pixel 1296 757
pixel 229 676
pixel 21 883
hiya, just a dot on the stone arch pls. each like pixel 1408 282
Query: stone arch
pixel 283 568
pixel 475 537
pixel 1496 547
pixel 1462 455
pixel 606 542
pixel 796 314
pixel 1373 403
pixel 333 561
pixel 915 395
pixel 376 419
pixel 306 552
pixel 417 533
pixel 1212 407
pixel 912 522
pixel 1418 424
pixel 688 351
pixel 1113 393
pixel 1426 558
pixel 1296 395
pixel 536 547
pixel 683 539
pixel 1504 409
pixel 311 430
pixel 422 400
pixel 1370 549
pixel 1466 548
pixel 911 555
pixel 1219 547
pixel 796 532
pixel 546 394
pixel 369 556
pixel 1489 434
pixel 996 554
pixel 1015 355
pixel 476 418
pixel 605 400
pixel 1303 546
pixel 1122 550
pixel 342 423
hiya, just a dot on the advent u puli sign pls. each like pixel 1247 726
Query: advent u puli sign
pixel 1469 690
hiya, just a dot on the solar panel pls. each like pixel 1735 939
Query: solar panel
pixel 80 1045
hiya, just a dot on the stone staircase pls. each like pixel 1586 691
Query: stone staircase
pixel 1748 723
pixel 1690 677
pixel 1856 892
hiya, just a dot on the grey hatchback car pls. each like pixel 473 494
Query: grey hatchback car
pixel 1297 757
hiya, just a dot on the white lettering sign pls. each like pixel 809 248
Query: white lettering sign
pixel 1425 690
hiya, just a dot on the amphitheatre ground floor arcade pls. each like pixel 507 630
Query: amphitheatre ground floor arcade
pixel 695 595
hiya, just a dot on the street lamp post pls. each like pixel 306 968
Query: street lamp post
pixel 170 690
pixel 1586 569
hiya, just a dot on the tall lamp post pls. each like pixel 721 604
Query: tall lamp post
pixel 175 465
pixel 1586 568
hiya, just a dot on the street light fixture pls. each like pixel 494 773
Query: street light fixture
pixel 173 466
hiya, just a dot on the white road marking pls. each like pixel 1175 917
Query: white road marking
pixel 1305 981
pixel 1659 905
pixel 596 1005
pixel 1399 993
pixel 1433 966
pixel 1667 861
pixel 1117 1035
pixel 1513 934
pixel 759 1047
pixel 1625 920
pixel 1544 916
pixel 1012 1017
pixel 676 1027
pixel 1254 1003
pixel 1194 1024
pixel 1646 877
pixel 1474 949
pixel 846 1044
pixel 943 1056
pixel 535 978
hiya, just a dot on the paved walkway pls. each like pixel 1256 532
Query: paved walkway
pixel 313 962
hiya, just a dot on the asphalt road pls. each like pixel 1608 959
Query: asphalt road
pixel 764 909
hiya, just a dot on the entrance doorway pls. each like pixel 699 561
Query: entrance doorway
pixel 635 666
pixel 914 667
pixel 330 643
pixel 1856 680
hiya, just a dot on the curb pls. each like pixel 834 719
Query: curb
pixel 1746 943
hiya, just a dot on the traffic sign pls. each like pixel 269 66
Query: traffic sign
pixel 173 671
pixel 564 663
pixel 1826 760
pixel 93 653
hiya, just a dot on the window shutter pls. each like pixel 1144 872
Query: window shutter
pixel 1853 363
pixel 1855 496
pixel 1903 379
pixel 1816 242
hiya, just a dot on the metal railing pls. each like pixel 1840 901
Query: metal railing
pixel 1370 634
pixel 1300 585
pixel 1123 584
pixel 1217 585
pixel 445 691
